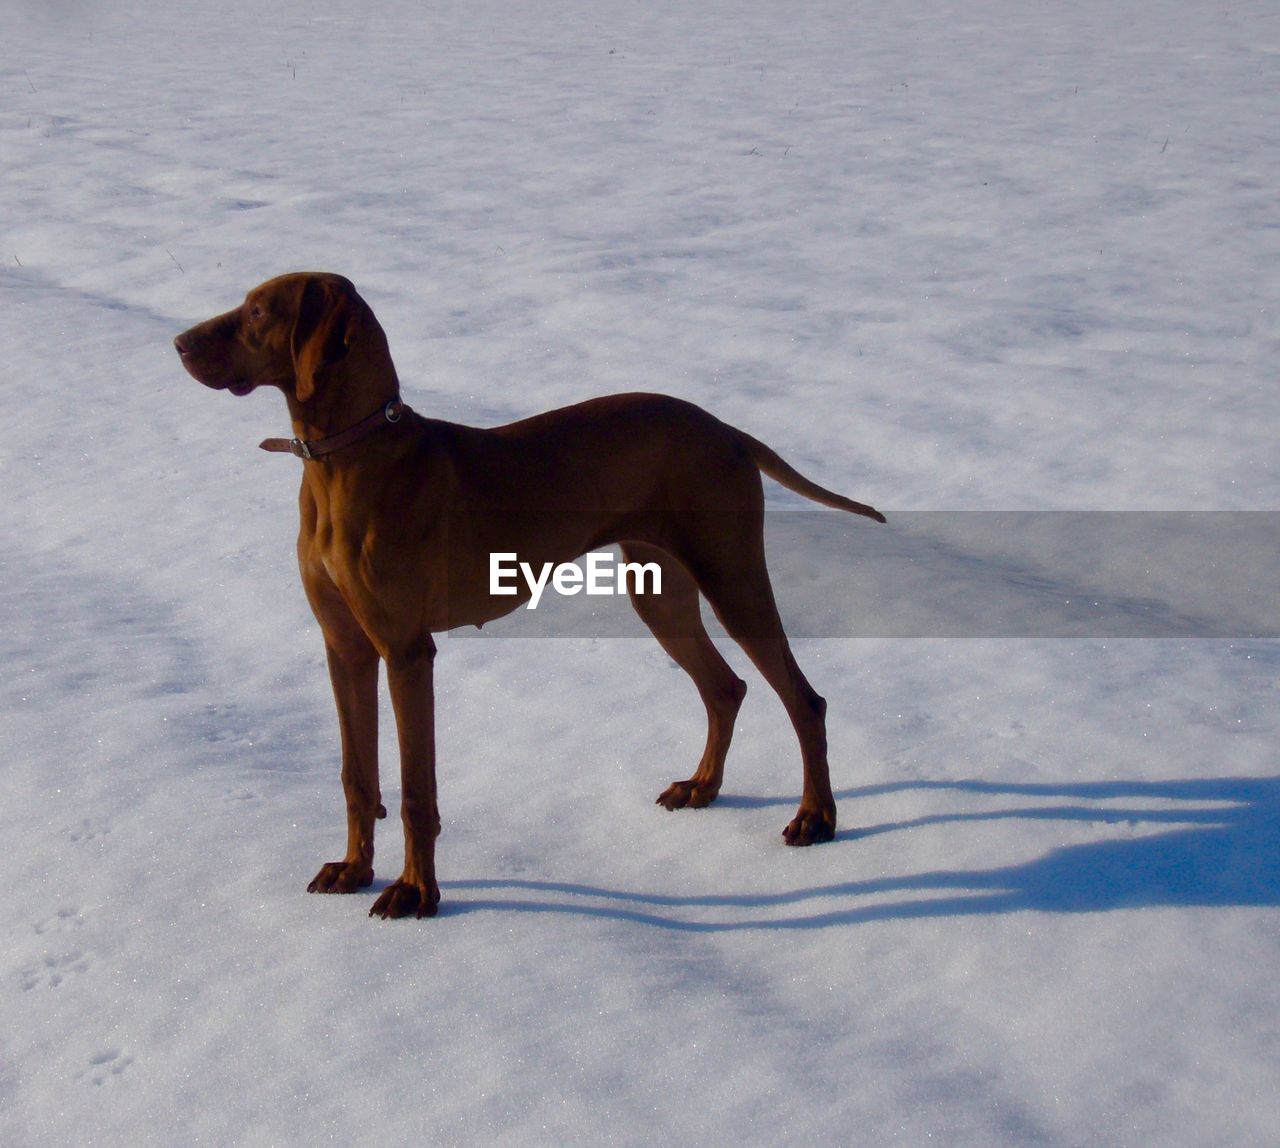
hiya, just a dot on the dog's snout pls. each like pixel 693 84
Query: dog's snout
pixel 188 342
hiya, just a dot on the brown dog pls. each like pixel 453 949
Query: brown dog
pixel 400 515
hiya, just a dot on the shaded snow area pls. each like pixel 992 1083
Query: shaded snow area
pixel 990 256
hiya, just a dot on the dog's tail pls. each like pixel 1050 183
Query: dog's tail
pixel 781 471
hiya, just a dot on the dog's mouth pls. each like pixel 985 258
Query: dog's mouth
pixel 237 387
pixel 187 356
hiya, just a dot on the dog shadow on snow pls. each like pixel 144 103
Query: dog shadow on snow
pixel 1201 842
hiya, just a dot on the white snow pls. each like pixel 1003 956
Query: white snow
pixel 992 256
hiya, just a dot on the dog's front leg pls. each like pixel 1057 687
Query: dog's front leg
pixel 410 676
pixel 353 671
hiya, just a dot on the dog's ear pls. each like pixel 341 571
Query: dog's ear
pixel 323 331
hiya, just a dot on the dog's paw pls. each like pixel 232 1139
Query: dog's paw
pixel 810 827
pixel 691 794
pixel 407 899
pixel 341 877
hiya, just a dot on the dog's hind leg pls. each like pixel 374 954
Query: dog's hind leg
pixel 730 571
pixel 674 619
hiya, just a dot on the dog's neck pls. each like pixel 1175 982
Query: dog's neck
pixel 388 414
pixel 342 394
pixel 344 409
pixel 337 405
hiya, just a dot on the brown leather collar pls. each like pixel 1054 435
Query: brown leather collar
pixel 319 447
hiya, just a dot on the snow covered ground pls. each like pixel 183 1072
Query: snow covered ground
pixel 993 256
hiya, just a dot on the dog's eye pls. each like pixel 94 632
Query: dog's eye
pixel 255 312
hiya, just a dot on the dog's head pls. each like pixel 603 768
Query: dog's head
pixel 288 333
